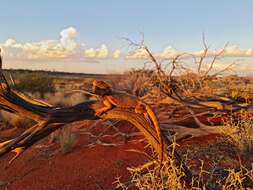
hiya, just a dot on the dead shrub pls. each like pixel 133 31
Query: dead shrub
pixel 136 82
pixel 240 133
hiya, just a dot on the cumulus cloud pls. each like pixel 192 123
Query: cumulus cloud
pixel 68 37
pixel 10 42
pixel 236 51
pixel 116 54
pixel 139 53
pixel 46 49
pixel 101 52
pixel 91 53
pixel 229 51
pixel 169 52
pixel 66 47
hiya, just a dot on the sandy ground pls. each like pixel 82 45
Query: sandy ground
pixel 47 168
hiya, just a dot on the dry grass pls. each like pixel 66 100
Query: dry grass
pixel 239 180
pixel 67 140
pixel 240 134
pixel 149 176
pixel 12 120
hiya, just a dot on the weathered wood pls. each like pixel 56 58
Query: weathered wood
pixel 50 118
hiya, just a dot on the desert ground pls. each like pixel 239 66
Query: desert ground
pixel 213 136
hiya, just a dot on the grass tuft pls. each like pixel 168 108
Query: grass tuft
pixel 240 134
pixel 67 140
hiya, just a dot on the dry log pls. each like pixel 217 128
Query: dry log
pixel 50 118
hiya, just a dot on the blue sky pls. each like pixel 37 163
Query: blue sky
pixel 179 24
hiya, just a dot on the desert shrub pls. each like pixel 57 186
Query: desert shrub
pixel 240 133
pixel 67 140
pixel 169 178
pixel 136 82
pixel 12 120
pixel 35 82
pixel 240 179
pixel 150 176
pixel 146 177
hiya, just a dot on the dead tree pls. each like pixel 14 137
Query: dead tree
pixel 49 118
pixel 196 104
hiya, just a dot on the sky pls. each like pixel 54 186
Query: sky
pixel 86 36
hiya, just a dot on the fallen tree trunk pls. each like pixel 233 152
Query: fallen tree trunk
pixel 51 118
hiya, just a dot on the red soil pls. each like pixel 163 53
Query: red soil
pixel 83 168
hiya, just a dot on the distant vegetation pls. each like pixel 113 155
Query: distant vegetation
pixel 16 73
pixel 35 82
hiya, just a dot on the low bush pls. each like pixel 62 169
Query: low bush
pixel 240 133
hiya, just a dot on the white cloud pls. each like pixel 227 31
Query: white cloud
pixel 236 51
pixel 229 51
pixel 66 47
pixel 116 54
pixel 91 53
pixel 10 42
pixel 169 52
pixel 46 49
pixel 139 53
pixel 101 52
pixel 68 37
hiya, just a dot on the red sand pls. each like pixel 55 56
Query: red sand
pixel 84 168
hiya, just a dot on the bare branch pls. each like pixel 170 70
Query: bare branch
pixel 214 59
pixel 203 55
